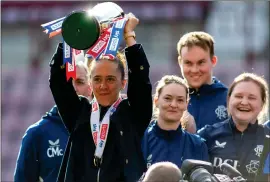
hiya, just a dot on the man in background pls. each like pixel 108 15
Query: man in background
pixel 196 57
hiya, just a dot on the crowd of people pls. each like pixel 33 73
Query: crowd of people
pixel 98 134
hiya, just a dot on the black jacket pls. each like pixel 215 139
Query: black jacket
pixel 241 150
pixel 122 157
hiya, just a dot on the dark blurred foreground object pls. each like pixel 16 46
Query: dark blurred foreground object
pixel 198 171
pixel 163 172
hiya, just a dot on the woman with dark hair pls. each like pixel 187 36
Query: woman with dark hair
pixel 105 134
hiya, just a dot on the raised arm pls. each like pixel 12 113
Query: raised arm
pixel 63 92
pixel 139 87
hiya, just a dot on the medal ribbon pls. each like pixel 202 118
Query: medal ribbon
pixel 100 130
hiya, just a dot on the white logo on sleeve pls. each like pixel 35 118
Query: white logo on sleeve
pixel 220 145
pixel 54 149
pixel 221 112
pixel 149 160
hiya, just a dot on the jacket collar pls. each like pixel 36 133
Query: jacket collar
pixel 208 89
pixel 167 134
pixel 252 128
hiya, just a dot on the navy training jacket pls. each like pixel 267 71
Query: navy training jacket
pixel 174 146
pixel 242 150
pixel 208 105
pixel 42 150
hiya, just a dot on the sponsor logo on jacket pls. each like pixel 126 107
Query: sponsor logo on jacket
pixel 220 145
pixel 54 149
pixel 218 161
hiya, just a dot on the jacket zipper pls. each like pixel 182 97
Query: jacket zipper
pixel 198 109
pixel 98 174
pixel 242 134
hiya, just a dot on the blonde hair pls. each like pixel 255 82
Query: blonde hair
pixel 84 66
pixel 261 82
pixel 88 61
pixel 164 81
pixel 197 38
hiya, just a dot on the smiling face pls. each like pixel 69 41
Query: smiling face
pixel 106 81
pixel 196 66
pixel 196 57
pixel 245 102
pixel 172 102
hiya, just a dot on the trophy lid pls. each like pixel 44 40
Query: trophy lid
pixel 106 11
pixel 80 31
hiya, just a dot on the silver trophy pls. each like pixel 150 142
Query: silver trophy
pixel 81 29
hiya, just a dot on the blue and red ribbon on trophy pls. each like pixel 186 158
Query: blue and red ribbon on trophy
pixel 70 57
pixel 68 61
pixel 115 38
pixel 98 48
pixel 108 43
pixel 106 46
pixel 53 28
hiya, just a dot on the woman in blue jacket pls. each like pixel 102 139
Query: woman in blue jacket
pixel 165 140
pixel 266 169
pixel 239 140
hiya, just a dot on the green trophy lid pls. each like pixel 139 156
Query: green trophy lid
pixel 80 30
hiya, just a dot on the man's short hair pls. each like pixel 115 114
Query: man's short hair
pixel 163 172
pixel 197 38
